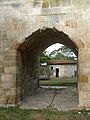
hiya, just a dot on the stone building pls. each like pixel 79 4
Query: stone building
pixel 63 68
pixel 28 27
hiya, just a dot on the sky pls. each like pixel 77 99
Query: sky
pixel 53 47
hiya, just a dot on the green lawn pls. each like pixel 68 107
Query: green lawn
pixel 19 114
pixel 59 82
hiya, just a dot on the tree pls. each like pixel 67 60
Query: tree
pixel 63 53
pixel 56 55
pixel 44 57
pixel 67 52
pixel 59 56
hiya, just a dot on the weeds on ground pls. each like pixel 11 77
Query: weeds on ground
pixel 12 113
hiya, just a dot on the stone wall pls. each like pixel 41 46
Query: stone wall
pixel 19 19
pixel 30 73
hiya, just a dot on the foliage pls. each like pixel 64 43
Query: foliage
pixel 67 52
pixel 44 57
pixel 56 55
pixel 63 53
pixel 45 72
pixel 59 56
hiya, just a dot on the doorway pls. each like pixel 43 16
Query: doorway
pixel 57 72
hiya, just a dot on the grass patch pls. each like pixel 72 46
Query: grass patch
pixel 19 114
pixel 59 82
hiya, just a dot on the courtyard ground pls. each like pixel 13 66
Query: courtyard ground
pixel 61 98
pixel 51 94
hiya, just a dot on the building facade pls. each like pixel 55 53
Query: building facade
pixel 63 68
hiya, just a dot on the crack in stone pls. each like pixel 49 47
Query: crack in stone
pixel 52 100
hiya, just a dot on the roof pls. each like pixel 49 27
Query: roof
pixel 61 62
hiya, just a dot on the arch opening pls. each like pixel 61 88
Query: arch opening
pixel 30 51
pixel 58 60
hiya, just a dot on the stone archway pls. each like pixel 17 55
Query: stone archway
pixel 22 70
pixel 20 20
pixel 30 50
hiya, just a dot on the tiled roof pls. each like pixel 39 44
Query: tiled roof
pixel 59 62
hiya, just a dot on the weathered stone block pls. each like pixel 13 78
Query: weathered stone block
pixel 18 90
pixel 13 99
pixel 9 84
pixel 1 98
pixel 4 63
pixel 54 3
pixel 13 91
pixel 83 78
pixel 6 77
pixel 84 70
pixel 45 4
pixel 12 63
pixel 1 69
pixel 11 70
pixel 10 58
pixel 85 86
pixel 1 58
pixel 0 91
pixel 8 24
pixel 71 24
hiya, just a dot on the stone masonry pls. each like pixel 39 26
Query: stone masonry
pixel 27 27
